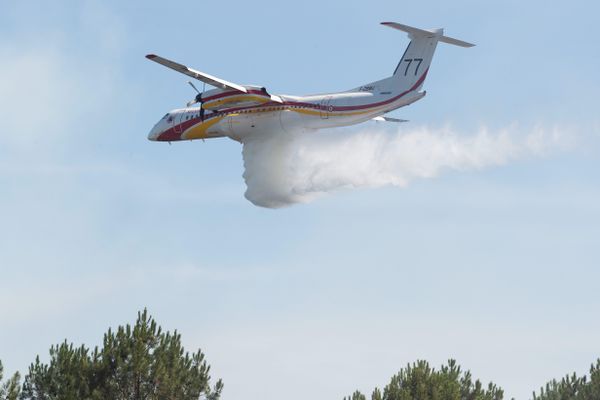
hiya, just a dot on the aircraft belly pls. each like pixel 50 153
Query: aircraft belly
pixel 240 126
pixel 291 121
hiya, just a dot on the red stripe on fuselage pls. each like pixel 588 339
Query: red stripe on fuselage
pixel 171 135
pixel 338 108
pixel 233 93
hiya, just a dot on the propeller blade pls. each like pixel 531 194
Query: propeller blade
pixel 197 99
pixel 194 87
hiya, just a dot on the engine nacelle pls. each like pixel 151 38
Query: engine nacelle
pixel 219 99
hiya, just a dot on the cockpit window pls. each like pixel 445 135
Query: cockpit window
pixel 166 115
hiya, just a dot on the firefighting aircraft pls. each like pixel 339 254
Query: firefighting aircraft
pixel 236 111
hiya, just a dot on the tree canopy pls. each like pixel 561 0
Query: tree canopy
pixel 420 381
pixel 142 362
pixel 572 387
pixel 10 389
pixel 139 362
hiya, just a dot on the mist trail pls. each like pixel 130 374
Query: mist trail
pixel 282 168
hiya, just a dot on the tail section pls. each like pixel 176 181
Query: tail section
pixel 415 32
pixel 414 65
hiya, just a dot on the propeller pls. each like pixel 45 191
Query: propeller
pixel 197 99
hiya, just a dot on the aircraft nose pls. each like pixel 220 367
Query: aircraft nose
pixel 154 133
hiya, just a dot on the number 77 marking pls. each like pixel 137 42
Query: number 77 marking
pixel 420 60
pixel 409 62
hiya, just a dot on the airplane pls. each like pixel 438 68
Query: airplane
pixel 237 111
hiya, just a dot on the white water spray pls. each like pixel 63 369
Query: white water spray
pixel 286 168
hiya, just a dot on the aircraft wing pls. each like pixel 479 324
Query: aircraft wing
pixel 201 76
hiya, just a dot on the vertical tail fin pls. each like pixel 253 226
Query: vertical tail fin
pixel 414 65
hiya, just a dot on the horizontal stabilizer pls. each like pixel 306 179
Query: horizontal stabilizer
pixel 416 32
pixel 389 119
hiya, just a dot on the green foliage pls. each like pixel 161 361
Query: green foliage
pixel 10 389
pixel 142 362
pixel 421 382
pixel 356 396
pixel 69 375
pixel 376 395
pixel 572 387
pixel 134 363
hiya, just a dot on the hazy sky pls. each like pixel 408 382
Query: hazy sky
pixel 497 267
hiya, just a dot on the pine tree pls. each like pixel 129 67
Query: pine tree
pixel 376 395
pixel 139 362
pixel 419 381
pixel 10 389
pixel 572 387
pixel 357 395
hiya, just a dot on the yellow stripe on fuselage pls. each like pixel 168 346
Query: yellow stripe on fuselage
pixel 311 111
pixel 335 114
pixel 198 131
pixel 235 99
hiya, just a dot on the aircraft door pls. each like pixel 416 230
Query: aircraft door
pixel 325 107
pixel 177 121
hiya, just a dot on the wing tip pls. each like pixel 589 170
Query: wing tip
pixel 151 56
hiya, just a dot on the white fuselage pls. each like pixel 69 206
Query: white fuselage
pixel 229 114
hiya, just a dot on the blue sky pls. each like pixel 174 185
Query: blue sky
pixel 497 267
